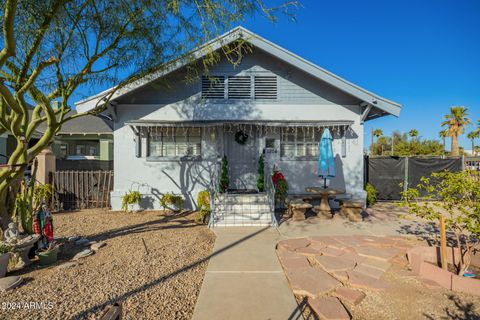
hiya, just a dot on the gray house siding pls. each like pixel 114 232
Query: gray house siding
pixel 300 98
pixel 294 85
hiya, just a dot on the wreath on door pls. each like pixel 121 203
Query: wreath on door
pixel 241 137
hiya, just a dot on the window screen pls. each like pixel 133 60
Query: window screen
pixel 302 143
pixel 175 142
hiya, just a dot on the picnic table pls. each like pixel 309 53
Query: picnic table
pixel 324 194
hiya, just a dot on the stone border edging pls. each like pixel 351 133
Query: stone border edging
pixel 424 263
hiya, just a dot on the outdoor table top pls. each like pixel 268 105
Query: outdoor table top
pixel 323 191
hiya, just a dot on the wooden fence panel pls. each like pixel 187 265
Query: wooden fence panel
pixel 75 190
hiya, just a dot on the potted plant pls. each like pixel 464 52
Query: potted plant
pixel 203 204
pixel 48 255
pixel 4 258
pixel 131 201
pixel 172 202
pixel 281 188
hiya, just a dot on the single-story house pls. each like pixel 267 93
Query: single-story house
pixel 87 138
pixel 170 134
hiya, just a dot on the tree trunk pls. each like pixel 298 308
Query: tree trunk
pixel 473 147
pixel 455 150
pixel 444 142
pixel 5 218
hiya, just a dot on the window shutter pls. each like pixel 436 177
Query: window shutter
pixel 213 87
pixel 239 87
pixel 265 87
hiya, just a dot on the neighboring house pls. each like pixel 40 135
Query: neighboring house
pixel 84 138
pixel 170 135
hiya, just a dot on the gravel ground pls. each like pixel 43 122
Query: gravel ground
pixel 407 298
pixel 161 284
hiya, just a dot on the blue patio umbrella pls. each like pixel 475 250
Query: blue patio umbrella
pixel 326 161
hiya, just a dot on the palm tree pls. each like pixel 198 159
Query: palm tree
pixel 413 134
pixel 443 134
pixel 477 150
pixel 455 123
pixel 472 136
pixel 377 133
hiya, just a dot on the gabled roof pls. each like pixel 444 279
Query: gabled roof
pixel 379 103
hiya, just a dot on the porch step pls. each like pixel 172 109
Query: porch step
pixel 257 219
pixel 242 210
pixel 234 198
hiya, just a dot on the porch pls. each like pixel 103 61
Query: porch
pixel 189 154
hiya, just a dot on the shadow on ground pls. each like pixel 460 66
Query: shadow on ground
pixel 156 282
pixel 462 311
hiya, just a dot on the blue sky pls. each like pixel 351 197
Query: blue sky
pixel 422 54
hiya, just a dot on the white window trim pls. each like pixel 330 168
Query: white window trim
pixel 162 157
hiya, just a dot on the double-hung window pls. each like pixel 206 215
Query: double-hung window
pixel 175 142
pixel 301 143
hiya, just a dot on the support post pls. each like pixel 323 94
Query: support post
pixel 405 181
pixel 46 164
pixel 443 243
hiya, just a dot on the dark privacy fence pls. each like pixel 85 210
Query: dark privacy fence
pixel 83 165
pixel 74 190
pixel 387 173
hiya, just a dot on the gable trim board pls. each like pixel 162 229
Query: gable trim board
pixel 381 105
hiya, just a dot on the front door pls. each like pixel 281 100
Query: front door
pixel 242 161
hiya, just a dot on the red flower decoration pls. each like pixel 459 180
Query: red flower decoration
pixel 277 176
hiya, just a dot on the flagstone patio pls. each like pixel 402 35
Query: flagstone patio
pixel 336 272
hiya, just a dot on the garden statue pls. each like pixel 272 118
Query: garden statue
pixel 43 226
pixel 21 245
pixel 11 234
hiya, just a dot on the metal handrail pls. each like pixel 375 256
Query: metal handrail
pixel 213 192
pixel 270 191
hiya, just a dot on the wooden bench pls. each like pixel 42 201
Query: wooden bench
pixel 297 208
pixel 352 209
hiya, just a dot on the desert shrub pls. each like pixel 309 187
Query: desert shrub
pixel 371 194
pixel 203 204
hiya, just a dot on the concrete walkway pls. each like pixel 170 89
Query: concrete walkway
pixel 244 279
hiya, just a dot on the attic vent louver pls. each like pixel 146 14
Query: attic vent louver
pixel 265 87
pixel 239 87
pixel 213 87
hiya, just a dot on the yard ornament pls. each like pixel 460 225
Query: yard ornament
pixel 43 226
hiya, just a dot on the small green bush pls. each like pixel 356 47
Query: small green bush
pixel 170 200
pixel 131 197
pixel 224 180
pixel 261 174
pixel 371 194
pixel 4 248
pixel 203 204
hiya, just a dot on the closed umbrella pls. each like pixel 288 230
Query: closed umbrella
pixel 326 161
